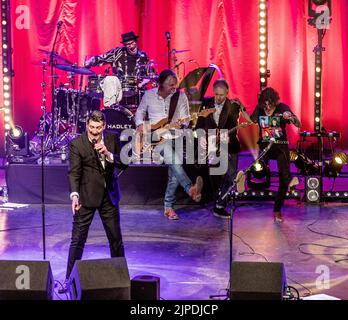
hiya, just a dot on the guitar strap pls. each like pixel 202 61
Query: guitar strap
pixel 173 104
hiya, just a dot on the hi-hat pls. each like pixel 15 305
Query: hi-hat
pixel 55 56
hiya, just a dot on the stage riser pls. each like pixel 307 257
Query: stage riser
pixel 140 185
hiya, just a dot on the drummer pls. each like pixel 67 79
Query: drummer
pixel 126 61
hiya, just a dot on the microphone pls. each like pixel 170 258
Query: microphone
pixel 59 24
pixel 167 35
pixel 271 141
pixel 94 142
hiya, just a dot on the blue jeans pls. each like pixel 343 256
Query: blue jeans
pixel 176 173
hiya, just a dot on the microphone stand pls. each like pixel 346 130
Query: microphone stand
pixel 42 134
pixel 169 52
pixel 233 192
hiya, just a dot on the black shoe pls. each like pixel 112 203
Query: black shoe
pixel 65 287
pixel 221 213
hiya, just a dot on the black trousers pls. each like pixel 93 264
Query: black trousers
pixel 282 155
pixel 227 181
pixel 110 217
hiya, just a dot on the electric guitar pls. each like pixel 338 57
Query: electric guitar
pixel 161 127
pixel 214 140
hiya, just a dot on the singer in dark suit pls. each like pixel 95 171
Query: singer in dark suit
pixel 226 116
pixel 94 157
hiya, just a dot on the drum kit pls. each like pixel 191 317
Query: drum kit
pixel 71 105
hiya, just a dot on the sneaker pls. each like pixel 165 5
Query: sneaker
pixel 171 214
pixel 278 217
pixel 221 213
pixel 65 287
pixel 293 183
pixel 196 189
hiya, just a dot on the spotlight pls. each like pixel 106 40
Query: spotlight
pixel 334 166
pixel 259 176
pixel 16 132
pixel 303 163
pixel 17 142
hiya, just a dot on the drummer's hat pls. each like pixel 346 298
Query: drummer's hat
pixel 128 37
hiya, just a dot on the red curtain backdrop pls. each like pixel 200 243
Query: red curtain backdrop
pixel 224 32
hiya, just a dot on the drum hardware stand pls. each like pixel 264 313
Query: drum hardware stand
pixel 77 109
pixel 54 100
pixel 232 192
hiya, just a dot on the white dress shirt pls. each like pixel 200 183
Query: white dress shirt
pixel 157 107
pixel 217 113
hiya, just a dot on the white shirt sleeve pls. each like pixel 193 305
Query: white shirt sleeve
pixel 141 111
pixel 72 194
pixel 183 109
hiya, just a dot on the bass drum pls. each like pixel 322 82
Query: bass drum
pixel 118 119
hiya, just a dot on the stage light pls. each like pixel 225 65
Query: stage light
pixel 16 132
pixel 259 176
pixel 303 163
pixel 333 167
pixel 17 143
pixel 7 68
pixel 263 51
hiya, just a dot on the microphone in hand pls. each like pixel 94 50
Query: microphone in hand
pixel 94 142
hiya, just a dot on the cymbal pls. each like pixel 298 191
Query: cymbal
pixel 174 51
pixel 146 65
pixel 74 69
pixel 55 56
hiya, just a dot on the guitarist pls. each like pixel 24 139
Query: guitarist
pixel 166 102
pixel 226 116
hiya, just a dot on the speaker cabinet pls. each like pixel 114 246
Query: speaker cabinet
pixel 145 288
pixel 25 280
pixel 102 279
pixel 257 281
pixel 313 189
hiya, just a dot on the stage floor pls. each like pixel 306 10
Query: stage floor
pixel 191 256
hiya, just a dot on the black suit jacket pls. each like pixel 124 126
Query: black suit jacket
pixel 87 176
pixel 229 118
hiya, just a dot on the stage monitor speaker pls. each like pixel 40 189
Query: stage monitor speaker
pixel 257 281
pixel 313 189
pixel 102 279
pixel 25 280
pixel 145 287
